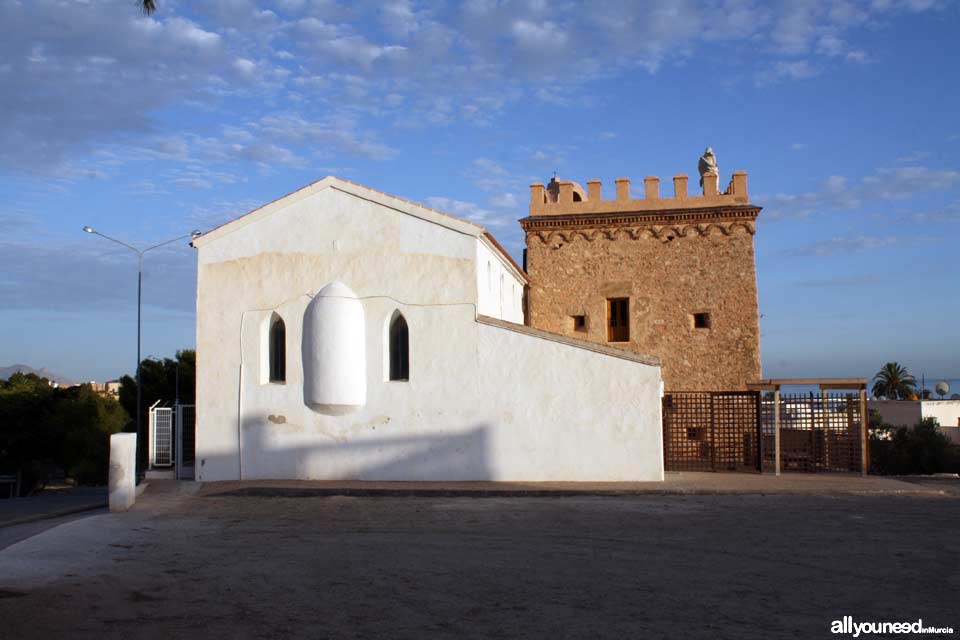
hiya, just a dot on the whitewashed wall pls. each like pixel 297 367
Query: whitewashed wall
pixel 909 412
pixel 947 412
pixel 499 288
pixel 482 402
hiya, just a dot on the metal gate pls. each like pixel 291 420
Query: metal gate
pixel 712 431
pixel 186 441
pixel 161 436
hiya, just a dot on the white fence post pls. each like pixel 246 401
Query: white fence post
pixel 123 471
pixel 776 430
pixel 151 455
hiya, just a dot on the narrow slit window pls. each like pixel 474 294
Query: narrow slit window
pixel 618 320
pixel 701 320
pixel 399 349
pixel 278 351
pixel 579 323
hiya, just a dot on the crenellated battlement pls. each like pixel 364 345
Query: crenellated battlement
pixel 561 197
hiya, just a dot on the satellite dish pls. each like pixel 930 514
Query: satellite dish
pixel 942 388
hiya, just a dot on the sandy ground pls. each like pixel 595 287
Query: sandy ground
pixel 679 566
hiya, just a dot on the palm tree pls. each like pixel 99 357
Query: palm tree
pixel 148 6
pixel 893 381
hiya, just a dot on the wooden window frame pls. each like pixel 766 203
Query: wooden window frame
pixel 618 319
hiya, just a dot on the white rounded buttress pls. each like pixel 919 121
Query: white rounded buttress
pixel 334 352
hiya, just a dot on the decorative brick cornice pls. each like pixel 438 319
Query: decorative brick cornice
pixel 678 222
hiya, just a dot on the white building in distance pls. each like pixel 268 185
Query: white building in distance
pixel 345 334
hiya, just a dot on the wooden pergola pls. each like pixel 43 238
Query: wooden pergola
pixel 825 385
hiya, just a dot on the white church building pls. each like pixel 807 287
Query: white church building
pixel 346 334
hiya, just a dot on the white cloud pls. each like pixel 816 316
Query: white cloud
pixel 838 192
pixel 193 183
pixel 949 214
pixel 358 50
pixel 786 70
pixel 220 211
pixel 98 76
pixel 903 182
pixel 831 45
pixel 505 201
pixel 843 245
pixel 794 29
pixel 466 210
pixel 913 156
pixel 92 276
pixel 858 56
pixel 16 220
pixel 400 62
pixel 537 36
pixel 399 18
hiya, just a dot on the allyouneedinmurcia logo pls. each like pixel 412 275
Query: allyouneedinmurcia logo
pixel 855 629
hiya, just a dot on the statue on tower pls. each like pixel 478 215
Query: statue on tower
pixel 708 165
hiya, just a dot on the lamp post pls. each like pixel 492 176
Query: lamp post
pixel 140 252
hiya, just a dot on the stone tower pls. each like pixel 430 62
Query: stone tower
pixel 674 277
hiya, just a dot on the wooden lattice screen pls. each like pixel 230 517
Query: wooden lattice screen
pixel 721 431
pixel 711 431
pixel 818 432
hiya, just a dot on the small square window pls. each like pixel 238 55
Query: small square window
pixel 694 433
pixel 579 323
pixel 701 320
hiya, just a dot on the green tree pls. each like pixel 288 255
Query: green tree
pixel 84 421
pixel 147 6
pixel 893 381
pixel 47 431
pixel 165 380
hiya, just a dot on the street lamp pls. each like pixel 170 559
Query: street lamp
pixel 193 234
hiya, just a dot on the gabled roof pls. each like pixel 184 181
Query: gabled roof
pixel 360 191
pixel 346 186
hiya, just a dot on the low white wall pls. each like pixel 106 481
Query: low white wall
pixel 909 412
pixel 567 413
pixel 947 412
pixel 897 413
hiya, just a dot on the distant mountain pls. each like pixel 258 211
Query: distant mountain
pixel 6 372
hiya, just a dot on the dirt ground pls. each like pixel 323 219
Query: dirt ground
pixel 720 566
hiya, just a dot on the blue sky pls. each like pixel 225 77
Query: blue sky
pixel 844 114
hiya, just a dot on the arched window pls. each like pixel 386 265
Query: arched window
pixel 278 351
pixel 399 348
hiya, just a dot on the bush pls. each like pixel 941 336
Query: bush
pixel 921 449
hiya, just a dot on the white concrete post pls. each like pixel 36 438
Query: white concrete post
pixel 123 471
pixel 776 430
pixel 864 433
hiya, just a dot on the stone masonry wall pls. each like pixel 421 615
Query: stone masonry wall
pixel 668 277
